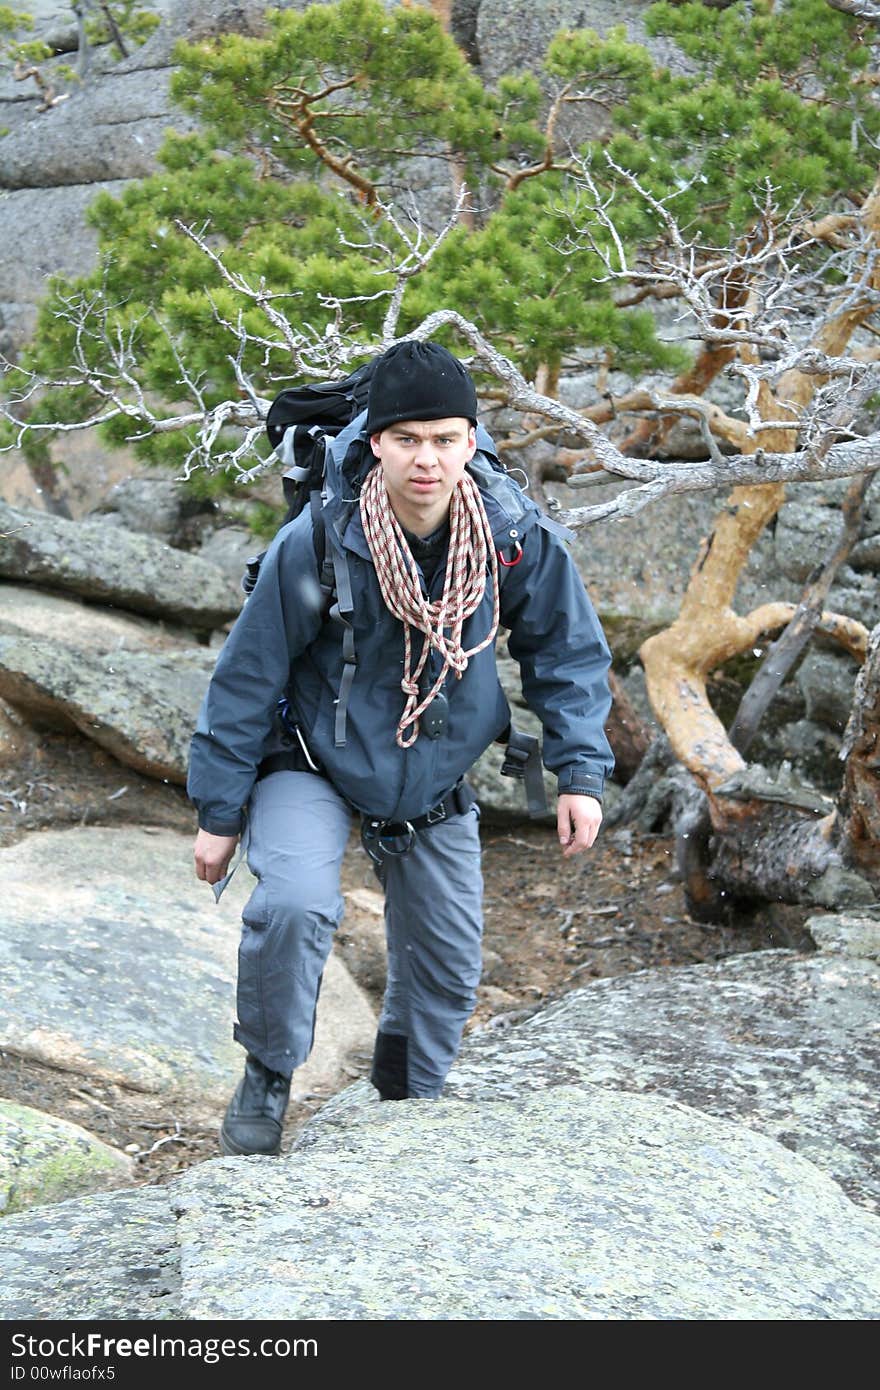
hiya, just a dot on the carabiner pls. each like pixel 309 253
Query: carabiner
pixel 517 556
pixel 379 844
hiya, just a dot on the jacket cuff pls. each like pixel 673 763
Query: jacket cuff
pixel 221 827
pixel 576 781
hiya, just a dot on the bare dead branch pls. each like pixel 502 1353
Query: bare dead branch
pixel 859 9
pixel 841 461
pixel 316 355
pixel 417 258
pixel 401 249
pixel 771 260
pixel 522 396
pixel 262 297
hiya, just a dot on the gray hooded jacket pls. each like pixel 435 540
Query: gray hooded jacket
pixel 283 644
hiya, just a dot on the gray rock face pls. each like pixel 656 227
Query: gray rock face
pixel 109 131
pixel 229 548
pixel 856 594
pixel 782 1043
pixel 805 530
pixel 156 506
pixel 805 502
pixel 826 679
pixel 855 934
pixel 113 1255
pixel 637 570
pixel 54 163
pixel 813 749
pixel 866 552
pixel 43 232
pixel 625 1154
pixel 87 470
pixel 117 963
pixel 513 35
pixel 47 14
pixel 576 1203
pixel 106 565
pixel 571 1204
pixel 203 19
pixel 112 127
pixel 808 525
pixel 140 706
pixel 39 613
pixel 44 1159
pixel 131 685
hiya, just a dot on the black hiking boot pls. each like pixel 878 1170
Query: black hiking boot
pixel 389 1071
pixel 254 1117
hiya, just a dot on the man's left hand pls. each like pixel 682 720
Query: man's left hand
pixel 577 819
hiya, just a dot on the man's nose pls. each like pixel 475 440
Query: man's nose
pixel 426 454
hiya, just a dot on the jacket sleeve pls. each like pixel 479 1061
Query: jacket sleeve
pixel 557 639
pixel 278 621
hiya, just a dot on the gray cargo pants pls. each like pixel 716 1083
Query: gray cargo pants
pixel 299 827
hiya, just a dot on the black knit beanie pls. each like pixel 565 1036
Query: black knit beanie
pixel 419 381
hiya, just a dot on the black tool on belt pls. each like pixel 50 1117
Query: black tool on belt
pixel 381 838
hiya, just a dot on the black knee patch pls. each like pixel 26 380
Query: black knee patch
pixel 388 1074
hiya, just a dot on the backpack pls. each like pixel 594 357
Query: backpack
pixel 301 422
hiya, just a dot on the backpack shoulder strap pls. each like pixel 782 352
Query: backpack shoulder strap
pixel 342 612
pixel 336 589
pixel 326 576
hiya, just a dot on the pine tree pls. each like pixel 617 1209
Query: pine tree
pixel 311 142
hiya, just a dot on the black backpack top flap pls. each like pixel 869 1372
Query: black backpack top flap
pixel 329 405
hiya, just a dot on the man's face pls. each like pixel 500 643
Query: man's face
pixel 422 461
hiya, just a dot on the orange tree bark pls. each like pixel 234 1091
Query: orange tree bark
pixel 708 632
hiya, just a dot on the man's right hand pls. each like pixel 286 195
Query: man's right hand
pixel 212 854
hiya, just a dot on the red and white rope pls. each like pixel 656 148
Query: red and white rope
pixel 441 621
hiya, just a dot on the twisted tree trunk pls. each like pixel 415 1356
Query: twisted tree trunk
pixel 758 838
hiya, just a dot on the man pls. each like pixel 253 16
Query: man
pixel 385 705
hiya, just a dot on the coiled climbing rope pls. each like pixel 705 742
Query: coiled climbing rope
pixel 441 621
